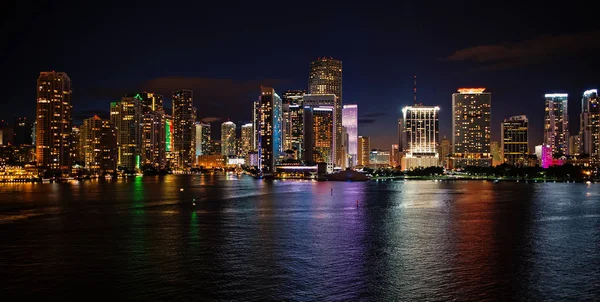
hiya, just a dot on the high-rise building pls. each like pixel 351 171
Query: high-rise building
pixel 149 101
pixel 269 130
pixel 319 130
pixel 198 139
pixel 205 139
pixel 228 138
pixel 246 139
pixel 345 141
pixel 556 123
pixel 99 145
pixel 515 148
pixel 327 100
pixel 54 121
pixel 421 134
pixel 169 140
pixel 394 156
pixel 471 127
pixel 379 158
pixel 496 153
pixel 364 147
pixel 291 101
pixel 325 77
pixel 23 131
pixel 184 117
pixel 590 125
pixel 126 118
pixel 445 151
pixel 75 152
pixel 256 115
pixel 350 121
pixel 154 138
pixel 575 144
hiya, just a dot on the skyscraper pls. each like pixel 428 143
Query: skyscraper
pixel 184 117
pixel 590 125
pixel 23 131
pixel 575 144
pixel 246 139
pixel 153 141
pixel 445 151
pixel 496 153
pixel 269 130
pixel 421 134
pixel 125 117
pixel 325 77
pixel 515 148
pixel 198 139
pixel 319 128
pixel 364 147
pixel 228 138
pixel 556 123
pixel 206 143
pixel 350 121
pixel 54 122
pixel 291 117
pixel 256 116
pixel 98 145
pixel 331 101
pixel 471 127
pixel 149 101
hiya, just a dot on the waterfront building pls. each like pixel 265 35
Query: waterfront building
pixel 153 141
pixel 246 139
pixel 394 156
pixel 445 152
pixel 556 123
pixel 292 120
pixel 421 135
pixel 319 129
pixel 228 138
pixel 150 101
pixel 324 101
pixel 214 161
pixel 590 126
pixel 350 121
pixel 75 151
pixel 126 117
pixel 496 153
pixel 256 116
pixel 23 130
pixel 364 148
pixel 98 145
pixel 270 130
pixel 184 118
pixel 575 144
pixel 515 148
pixel 54 121
pixel 471 127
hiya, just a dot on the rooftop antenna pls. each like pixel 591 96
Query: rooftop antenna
pixel 415 90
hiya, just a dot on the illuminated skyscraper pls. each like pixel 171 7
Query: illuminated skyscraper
pixel 364 147
pixel 269 130
pixel 206 143
pixel 350 121
pixel 496 153
pixel 169 139
pixel 575 144
pixel 326 100
pixel 75 151
pixel 246 139
pixel 153 142
pixel 319 128
pixel 125 117
pixel 590 125
pixel 556 123
pixel 421 134
pixel 445 151
pixel 515 148
pixel 292 120
pixel 228 138
pixel 54 122
pixel 471 127
pixel 98 145
pixel 184 117
pixel 256 115
pixel 149 101
pixel 325 77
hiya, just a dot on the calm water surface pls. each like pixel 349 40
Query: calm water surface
pixel 281 240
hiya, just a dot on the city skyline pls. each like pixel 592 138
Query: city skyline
pixel 519 68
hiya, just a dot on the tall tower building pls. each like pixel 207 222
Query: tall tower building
pixel 125 117
pixel 330 101
pixel 445 151
pixel 246 139
pixel 149 101
pixel 53 121
pixel 325 77
pixel 350 121
pixel 23 131
pixel 471 127
pixel 98 145
pixel 206 143
pixel 228 138
pixel 590 125
pixel 154 140
pixel 269 130
pixel 515 148
pixel 184 117
pixel 421 134
pixel 319 135
pixel 291 103
pixel 256 115
pixel 556 123
pixel 364 149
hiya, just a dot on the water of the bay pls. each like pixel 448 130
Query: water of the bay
pixel 247 239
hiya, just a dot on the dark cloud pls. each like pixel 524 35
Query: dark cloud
pixel 532 51
pixel 211 119
pixel 366 121
pixel 375 114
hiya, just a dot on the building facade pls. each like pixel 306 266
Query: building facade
pixel 126 117
pixel 445 152
pixel 350 121
pixel 471 127
pixel 421 135
pixel 292 101
pixel 246 140
pixel 153 141
pixel 319 128
pixel 228 137
pixel 269 130
pixel 184 118
pixel 515 142
pixel 98 145
pixel 590 125
pixel 53 121
pixel 556 123
pixel 364 147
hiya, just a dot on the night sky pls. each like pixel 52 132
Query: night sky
pixel 224 51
